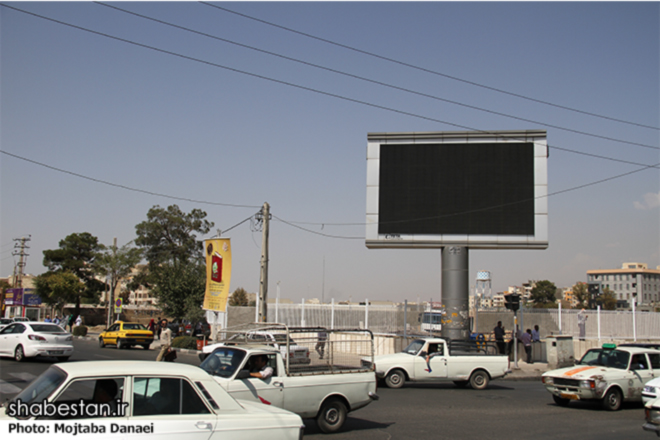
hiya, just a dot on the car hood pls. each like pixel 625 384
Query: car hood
pixel 389 359
pixel 581 372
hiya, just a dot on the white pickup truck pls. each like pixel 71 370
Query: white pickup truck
pixel 326 388
pixel 432 359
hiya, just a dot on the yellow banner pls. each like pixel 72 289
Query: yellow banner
pixel 218 274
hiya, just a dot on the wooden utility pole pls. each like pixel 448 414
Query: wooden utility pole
pixel 263 285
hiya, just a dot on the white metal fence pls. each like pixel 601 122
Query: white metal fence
pixel 378 319
pixel 390 319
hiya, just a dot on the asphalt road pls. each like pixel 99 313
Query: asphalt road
pixel 506 410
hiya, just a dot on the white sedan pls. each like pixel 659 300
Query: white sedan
pixel 22 340
pixel 134 399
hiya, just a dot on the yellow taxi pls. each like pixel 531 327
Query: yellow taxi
pixel 125 335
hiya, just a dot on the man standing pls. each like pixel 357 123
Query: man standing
pixel 582 323
pixel 499 337
pixel 165 340
pixel 48 319
pixel 536 335
pixel 526 339
pixel 320 344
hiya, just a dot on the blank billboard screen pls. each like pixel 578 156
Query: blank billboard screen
pixel 456 188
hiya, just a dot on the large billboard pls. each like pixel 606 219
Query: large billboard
pixel 218 274
pixel 473 189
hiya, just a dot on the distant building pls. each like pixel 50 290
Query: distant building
pixel 632 280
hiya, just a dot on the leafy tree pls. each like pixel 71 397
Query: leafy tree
pixel 581 294
pixel 169 234
pixel 239 298
pixel 607 300
pixel 543 294
pixel 58 288
pixel 117 263
pixel 77 255
pixel 176 272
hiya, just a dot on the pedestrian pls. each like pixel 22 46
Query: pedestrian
pixel 499 337
pixel 582 324
pixel 165 341
pixel 536 335
pixel 56 320
pixel 526 339
pixel 70 323
pixel 48 319
pixel 158 328
pixel 78 321
pixel 320 344
pixel 151 326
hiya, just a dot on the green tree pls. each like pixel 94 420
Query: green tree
pixel 176 272
pixel 58 288
pixel 77 255
pixel 239 298
pixel 581 294
pixel 117 263
pixel 607 300
pixel 543 294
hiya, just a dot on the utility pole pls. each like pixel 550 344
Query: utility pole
pixel 19 250
pixel 111 294
pixel 264 216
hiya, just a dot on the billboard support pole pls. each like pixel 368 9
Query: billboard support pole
pixel 455 293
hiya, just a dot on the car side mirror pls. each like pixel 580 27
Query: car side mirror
pixel 423 353
pixel 243 374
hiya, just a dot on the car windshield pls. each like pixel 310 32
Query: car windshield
pixel 223 362
pixel 414 346
pixel 42 386
pixel 47 328
pixel 606 358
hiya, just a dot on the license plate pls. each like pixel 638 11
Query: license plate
pixel 56 352
pixel 569 396
pixel 139 340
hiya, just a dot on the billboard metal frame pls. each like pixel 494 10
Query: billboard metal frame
pixel 539 240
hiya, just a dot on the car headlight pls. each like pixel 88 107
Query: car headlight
pixel 547 380
pixel 650 390
pixel 587 384
pixel 653 416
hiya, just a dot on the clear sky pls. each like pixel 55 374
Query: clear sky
pixel 206 120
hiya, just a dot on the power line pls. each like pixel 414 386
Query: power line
pixel 116 185
pixel 321 92
pixel 412 66
pixel 372 81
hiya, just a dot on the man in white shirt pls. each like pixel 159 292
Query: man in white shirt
pixel 260 368
pixel 165 340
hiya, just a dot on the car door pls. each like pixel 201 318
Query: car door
pixel 269 391
pixel 436 367
pixel 176 406
pixel 640 372
pixel 111 334
pixel 6 339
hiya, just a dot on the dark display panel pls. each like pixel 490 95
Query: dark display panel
pixel 475 189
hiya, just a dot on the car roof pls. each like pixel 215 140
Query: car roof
pixel 134 368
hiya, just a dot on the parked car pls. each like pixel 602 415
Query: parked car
pixel 183 400
pixel 435 360
pixel 4 322
pixel 125 335
pixel 22 340
pixel 610 375
pixel 652 413
pixel 298 354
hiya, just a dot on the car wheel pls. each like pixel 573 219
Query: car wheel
pixel 395 379
pixel 19 354
pixel 612 400
pixel 461 383
pixel 101 343
pixel 146 346
pixel 120 344
pixel 559 401
pixel 332 415
pixel 479 380
pixel 62 358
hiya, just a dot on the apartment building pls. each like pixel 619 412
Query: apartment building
pixel 631 280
